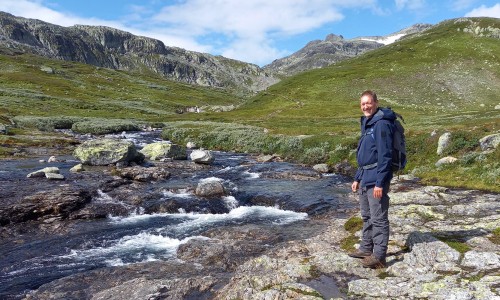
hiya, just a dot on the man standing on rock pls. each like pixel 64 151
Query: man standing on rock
pixel 372 179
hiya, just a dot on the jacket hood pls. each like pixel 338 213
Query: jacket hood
pixel 382 113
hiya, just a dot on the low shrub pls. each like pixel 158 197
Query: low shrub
pixel 104 126
pixel 231 137
pixel 46 123
pixel 461 143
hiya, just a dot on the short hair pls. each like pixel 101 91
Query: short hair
pixel 371 94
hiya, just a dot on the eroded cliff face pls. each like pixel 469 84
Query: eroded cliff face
pixel 112 48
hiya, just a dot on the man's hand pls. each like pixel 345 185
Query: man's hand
pixel 377 192
pixel 355 186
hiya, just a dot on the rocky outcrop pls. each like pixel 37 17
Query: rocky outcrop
pixel 490 142
pixel 426 227
pixel 111 48
pixel 101 152
pixel 48 206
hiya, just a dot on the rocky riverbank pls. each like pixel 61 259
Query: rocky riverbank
pixel 442 247
pixel 444 244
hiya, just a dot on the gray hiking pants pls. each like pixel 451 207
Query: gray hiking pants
pixel 374 212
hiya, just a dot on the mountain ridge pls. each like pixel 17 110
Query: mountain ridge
pixel 116 49
pixel 334 48
pixel 109 47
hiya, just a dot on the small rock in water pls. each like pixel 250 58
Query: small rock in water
pixel 77 168
pixel 43 172
pixel 52 159
pixel 53 176
pixel 322 168
pixel 202 157
pixel 210 187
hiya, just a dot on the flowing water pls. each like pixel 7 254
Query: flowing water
pixel 140 237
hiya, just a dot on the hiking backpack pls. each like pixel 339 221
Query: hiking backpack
pixel 398 144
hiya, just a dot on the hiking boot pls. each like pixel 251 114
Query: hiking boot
pixel 359 254
pixel 373 263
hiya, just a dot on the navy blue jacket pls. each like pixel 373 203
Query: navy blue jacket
pixel 375 146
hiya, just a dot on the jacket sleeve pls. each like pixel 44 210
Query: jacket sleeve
pixel 357 177
pixel 359 171
pixel 383 132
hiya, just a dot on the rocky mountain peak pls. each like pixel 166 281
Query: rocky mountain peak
pixel 334 38
pixel 334 48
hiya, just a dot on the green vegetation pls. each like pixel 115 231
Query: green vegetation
pixel 78 90
pixel 496 236
pixel 353 225
pixel 348 243
pixel 455 243
pixel 446 79
pixel 18 140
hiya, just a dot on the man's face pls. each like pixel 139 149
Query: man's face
pixel 368 106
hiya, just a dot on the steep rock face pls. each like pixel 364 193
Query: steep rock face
pixel 112 48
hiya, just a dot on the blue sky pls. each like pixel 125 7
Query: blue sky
pixel 255 31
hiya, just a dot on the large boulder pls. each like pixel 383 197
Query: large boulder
pixel 201 156
pixel 443 143
pixel 102 152
pixel 159 150
pixel 490 141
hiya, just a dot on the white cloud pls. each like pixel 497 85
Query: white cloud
pixel 36 10
pixel 249 27
pixel 484 11
pixel 410 4
pixel 255 51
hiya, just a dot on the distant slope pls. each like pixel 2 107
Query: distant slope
pixel 448 75
pixel 111 48
pixel 318 54
pixel 32 85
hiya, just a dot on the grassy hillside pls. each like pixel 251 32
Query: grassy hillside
pixel 34 86
pixel 445 79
